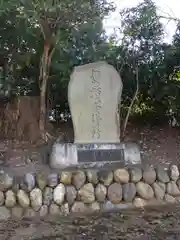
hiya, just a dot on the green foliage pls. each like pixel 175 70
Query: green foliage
pixel 76 27
pixel 79 38
pixel 143 35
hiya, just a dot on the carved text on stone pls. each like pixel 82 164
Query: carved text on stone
pixel 97 103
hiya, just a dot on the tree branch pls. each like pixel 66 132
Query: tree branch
pixel 170 18
pixel 131 104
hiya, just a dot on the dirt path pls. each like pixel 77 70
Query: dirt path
pixel 132 225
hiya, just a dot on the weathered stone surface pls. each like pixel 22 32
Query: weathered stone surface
pixel 174 172
pixel 54 209
pixel 43 212
pixel 1 198
pixel 178 183
pixel 6 181
pixel 86 193
pixel 28 182
pixel 52 180
pixel 4 213
pixel 135 174
pixel 109 206
pixel 131 153
pixel 78 207
pixel 149 175
pixel 41 180
pixel 115 193
pixel 10 199
pixel 36 199
pixel 139 202
pixel 162 175
pixel 94 195
pixel 47 196
pixel 79 179
pixel 100 192
pixel 98 95
pixel 15 188
pixel 23 198
pixel 169 199
pixel 71 194
pixel 29 213
pixel 172 189
pixel 129 192
pixel 63 155
pixel 93 207
pixel 144 190
pixel 92 176
pixel 159 190
pixel 65 209
pixel 155 202
pixel 66 177
pixel 59 194
pixel 16 184
pixel 105 177
pixel 17 212
pixel 94 153
pixel 121 175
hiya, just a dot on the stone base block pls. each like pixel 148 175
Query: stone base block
pixel 93 155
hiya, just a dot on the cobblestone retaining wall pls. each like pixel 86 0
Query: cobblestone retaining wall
pixel 87 191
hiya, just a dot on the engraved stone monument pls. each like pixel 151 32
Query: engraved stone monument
pixel 94 95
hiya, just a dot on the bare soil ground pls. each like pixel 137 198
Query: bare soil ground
pixel 149 224
pixel 158 146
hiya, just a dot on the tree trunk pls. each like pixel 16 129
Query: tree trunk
pixel 45 64
pixel 42 119
pixel 43 78
pixel 21 119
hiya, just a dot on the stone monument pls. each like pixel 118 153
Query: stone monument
pixel 94 95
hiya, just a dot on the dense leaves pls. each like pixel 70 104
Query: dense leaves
pixel 76 31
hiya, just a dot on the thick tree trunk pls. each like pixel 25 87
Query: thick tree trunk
pixel 21 118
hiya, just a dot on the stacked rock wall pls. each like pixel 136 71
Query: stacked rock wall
pixel 87 191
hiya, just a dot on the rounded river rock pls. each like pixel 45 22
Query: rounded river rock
pixel 115 193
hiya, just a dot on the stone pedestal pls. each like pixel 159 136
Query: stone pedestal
pixel 94 155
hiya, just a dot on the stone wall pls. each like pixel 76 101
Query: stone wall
pixel 87 191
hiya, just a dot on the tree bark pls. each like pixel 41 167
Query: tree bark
pixel 45 64
pixel 131 105
pixel 42 118
pixel 43 78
